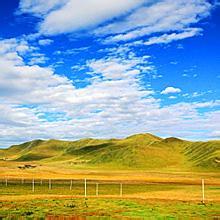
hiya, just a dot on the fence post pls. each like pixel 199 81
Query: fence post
pixel 33 185
pixel 97 189
pixel 6 182
pixel 22 181
pixel 121 190
pixel 203 191
pixel 71 184
pixel 85 188
pixel 41 182
pixel 49 183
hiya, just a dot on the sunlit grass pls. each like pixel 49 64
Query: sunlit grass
pixel 109 207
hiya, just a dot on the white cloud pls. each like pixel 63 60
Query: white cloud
pixel 160 17
pixel 38 103
pixel 37 58
pixel 120 20
pixel 14 45
pixel 21 83
pixel 45 42
pixel 171 89
pixel 40 7
pixel 215 134
pixel 197 94
pixel 167 38
pixel 174 62
pixel 172 97
pixel 75 14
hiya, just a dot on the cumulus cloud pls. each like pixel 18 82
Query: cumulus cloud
pixel 170 89
pixel 21 83
pixel 38 103
pixel 14 45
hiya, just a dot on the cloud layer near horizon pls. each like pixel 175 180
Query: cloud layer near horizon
pixel 37 102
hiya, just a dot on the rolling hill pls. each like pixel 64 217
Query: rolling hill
pixel 140 151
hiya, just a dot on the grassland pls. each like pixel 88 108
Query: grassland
pixel 108 208
pixel 15 189
pixel 142 151
pixel 161 177
pixel 143 157
pixel 140 199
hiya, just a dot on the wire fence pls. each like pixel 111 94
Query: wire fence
pixel 88 187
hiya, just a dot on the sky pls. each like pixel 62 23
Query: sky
pixel 72 69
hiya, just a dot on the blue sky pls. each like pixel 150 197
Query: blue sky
pixel 103 69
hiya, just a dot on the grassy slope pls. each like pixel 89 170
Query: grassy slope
pixel 137 151
pixel 111 208
pixel 204 154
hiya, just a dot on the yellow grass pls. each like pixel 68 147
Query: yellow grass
pixel 169 195
pixel 11 170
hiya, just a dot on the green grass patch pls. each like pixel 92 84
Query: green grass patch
pixel 114 208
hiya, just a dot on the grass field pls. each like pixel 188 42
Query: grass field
pixel 161 178
pixel 107 208
pixel 139 199
pixel 146 194
pixel 176 191
pixel 140 152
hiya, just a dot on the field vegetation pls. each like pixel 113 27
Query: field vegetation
pixel 161 178
pixel 141 151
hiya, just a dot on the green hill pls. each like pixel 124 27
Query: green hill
pixel 204 154
pixel 140 151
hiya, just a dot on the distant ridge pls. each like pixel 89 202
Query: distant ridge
pixel 145 136
pixel 138 151
pixel 172 139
